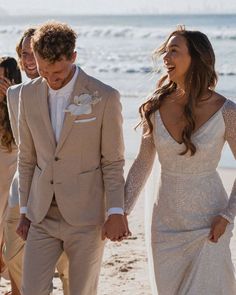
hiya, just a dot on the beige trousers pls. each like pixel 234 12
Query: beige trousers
pixel 45 243
pixel 14 250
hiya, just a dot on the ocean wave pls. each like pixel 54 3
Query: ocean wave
pixel 126 32
pixel 127 70
pixel 11 30
pixel 228 73
pixel 224 36
pixel 120 32
pixel 144 70
pixel 146 33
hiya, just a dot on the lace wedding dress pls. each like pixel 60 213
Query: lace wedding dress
pixel 190 194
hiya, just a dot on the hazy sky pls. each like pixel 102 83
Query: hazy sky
pixel 116 6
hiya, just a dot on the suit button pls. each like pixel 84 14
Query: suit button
pixel 51 181
pixel 56 159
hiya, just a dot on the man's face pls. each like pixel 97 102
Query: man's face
pixel 57 74
pixel 27 59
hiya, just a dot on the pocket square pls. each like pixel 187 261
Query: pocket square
pixel 85 120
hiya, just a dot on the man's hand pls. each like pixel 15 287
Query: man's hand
pixel 218 228
pixel 115 228
pixel 23 227
pixel 127 224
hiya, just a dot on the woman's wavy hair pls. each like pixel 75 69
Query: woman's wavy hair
pixel 200 76
pixel 12 72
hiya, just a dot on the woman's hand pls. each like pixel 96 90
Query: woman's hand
pixel 218 228
pixel 23 227
pixel 4 85
pixel 2 264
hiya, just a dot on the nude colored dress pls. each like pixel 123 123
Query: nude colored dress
pixel 7 171
pixel 190 195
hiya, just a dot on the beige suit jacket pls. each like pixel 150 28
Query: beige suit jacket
pixel 13 110
pixel 85 169
pixel 13 93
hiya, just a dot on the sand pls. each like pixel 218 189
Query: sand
pixel 124 269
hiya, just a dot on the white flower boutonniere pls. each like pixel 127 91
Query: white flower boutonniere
pixel 83 104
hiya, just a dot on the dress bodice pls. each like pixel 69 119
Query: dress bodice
pixel 208 139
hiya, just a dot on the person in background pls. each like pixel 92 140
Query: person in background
pixel 9 74
pixel 14 245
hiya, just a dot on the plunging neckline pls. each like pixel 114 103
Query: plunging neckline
pixel 199 128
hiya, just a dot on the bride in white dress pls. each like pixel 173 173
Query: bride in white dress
pixel 186 123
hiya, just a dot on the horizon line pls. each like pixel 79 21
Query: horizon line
pixel 122 14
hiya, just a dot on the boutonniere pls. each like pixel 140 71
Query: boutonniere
pixel 82 104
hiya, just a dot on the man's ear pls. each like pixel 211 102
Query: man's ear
pixel 74 56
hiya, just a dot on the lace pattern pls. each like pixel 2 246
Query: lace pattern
pixel 139 171
pixel 229 114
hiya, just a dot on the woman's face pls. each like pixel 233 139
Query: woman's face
pixel 177 60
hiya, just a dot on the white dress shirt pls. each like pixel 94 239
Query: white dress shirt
pixel 58 102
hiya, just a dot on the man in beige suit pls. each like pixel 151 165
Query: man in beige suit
pixel 70 166
pixel 14 245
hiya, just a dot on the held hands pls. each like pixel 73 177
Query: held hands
pixel 116 228
pixel 218 228
pixel 23 227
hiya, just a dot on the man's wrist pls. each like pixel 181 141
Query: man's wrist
pixel 115 210
pixel 23 210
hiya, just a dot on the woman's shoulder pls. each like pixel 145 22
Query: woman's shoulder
pixel 230 105
pixel 217 99
pixel 229 114
pixel 229 108
pixel 224 102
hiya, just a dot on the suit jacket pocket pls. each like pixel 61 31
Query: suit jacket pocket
pixel 34 184
pixel 91 194
pixel 90 181
pixel 85 120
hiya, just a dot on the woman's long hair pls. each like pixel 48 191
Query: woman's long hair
pixel 12 72
pixel 201 76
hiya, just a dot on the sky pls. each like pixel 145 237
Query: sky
pixel 16 7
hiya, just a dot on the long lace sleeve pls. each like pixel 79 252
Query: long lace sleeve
pixel 139 171
pixel 229 113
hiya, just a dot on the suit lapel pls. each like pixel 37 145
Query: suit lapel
pixel 79 88
pixel 45 111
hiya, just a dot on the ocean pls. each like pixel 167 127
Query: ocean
pixel 118 50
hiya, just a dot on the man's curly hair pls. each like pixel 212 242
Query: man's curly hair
pixel 53 41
